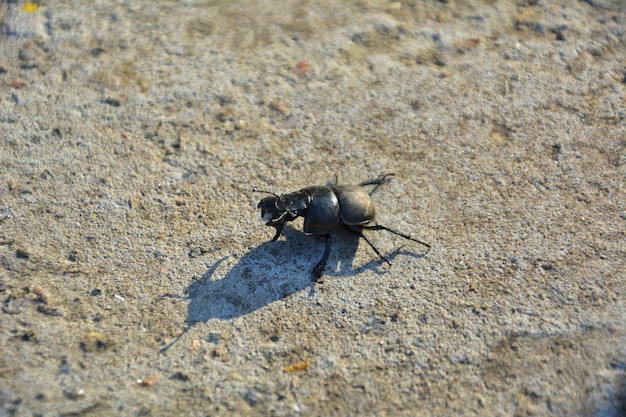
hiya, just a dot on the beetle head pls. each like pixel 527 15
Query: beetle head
pixel 270 210
pixel 274 215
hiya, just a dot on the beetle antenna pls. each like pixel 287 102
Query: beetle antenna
pixel 256 190
pixel 380 227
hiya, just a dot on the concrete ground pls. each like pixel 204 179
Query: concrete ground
pixel 136 277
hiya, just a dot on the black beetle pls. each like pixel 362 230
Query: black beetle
pixel 326 208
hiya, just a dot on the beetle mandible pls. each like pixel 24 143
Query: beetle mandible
pixel 326 208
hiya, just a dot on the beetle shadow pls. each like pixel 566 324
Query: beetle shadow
pixel 273 271
pixel 270 272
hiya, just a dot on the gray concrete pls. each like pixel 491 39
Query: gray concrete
pixel 131 134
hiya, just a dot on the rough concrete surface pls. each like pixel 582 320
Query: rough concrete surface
pixel 136 275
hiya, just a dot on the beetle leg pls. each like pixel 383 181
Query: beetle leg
pixel 377 181
pixel 277 235
pixel 279 228
pixel 359 233
pixel 318 269
pixel 375 250
pixel 380 227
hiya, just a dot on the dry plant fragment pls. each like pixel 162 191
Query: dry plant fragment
pixel 275 105
pixel 302 68
pixel 148 382
pixel 296 367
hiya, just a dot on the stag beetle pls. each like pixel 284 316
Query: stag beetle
pixel 326 208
